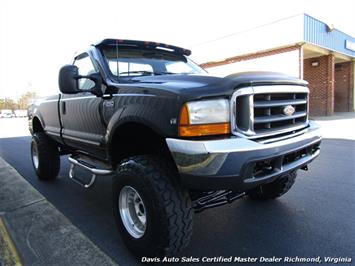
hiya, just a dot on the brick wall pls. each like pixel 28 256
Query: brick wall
pixel 352 86
pixel 343 87
pixel 321 84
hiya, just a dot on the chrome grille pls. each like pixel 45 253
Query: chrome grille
pixel 264 111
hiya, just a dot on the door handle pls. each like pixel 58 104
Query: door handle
pixel 64 111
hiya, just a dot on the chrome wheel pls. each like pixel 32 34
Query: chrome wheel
pixel 132 211
pixel 35 155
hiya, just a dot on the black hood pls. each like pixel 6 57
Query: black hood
pixel 210 86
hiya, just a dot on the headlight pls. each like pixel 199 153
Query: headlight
pixel 202 118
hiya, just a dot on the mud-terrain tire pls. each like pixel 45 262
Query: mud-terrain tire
pixel 45 157
pixel 152 211
pixel 274 189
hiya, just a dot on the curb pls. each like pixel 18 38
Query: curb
pixel 34 232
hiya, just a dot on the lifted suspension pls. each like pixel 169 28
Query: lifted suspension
pixel 215 198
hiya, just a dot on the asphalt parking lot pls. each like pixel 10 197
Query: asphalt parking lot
pixel 316 218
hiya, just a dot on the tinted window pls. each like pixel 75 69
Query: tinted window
pixel 140 62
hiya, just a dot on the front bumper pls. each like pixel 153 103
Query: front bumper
pixel 239 163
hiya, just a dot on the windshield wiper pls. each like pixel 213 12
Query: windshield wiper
pixel 166 73
pixel 142 72
pixel 146 73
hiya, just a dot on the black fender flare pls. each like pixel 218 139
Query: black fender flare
pixel 149 117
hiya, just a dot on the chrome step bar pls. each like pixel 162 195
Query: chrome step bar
pixel 95 172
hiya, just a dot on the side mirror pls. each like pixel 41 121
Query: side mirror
pixel 68 81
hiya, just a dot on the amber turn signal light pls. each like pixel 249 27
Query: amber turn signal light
pixel 188 130
pixel 204 130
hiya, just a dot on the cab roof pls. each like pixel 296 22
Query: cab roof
pixel 143 44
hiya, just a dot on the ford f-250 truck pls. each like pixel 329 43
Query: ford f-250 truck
pixel 175 139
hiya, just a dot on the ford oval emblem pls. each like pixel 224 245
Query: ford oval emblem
pixel 288 110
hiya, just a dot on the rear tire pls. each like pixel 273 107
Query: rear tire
pixel 274 189
pixel 157 205
pixel 45 156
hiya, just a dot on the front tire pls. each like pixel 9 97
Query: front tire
pixel 45 156
pixel 152 211
pixel 274 189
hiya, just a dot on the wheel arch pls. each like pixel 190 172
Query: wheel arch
pixel 36 125
pixel 135 138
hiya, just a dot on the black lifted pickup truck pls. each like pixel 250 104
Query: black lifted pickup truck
pixel 175 140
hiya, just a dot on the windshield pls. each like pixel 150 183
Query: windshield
pixel 125 63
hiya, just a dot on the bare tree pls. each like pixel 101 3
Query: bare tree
pixel 25 99
pixel 21 103
pixel 7 103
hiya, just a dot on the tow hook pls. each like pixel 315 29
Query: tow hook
pixel 304 168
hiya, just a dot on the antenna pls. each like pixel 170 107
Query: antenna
pixel 117 66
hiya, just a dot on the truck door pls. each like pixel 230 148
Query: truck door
pixel 83 128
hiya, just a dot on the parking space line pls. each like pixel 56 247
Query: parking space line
pixel 8 250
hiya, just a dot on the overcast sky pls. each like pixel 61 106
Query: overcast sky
pixel 38 37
